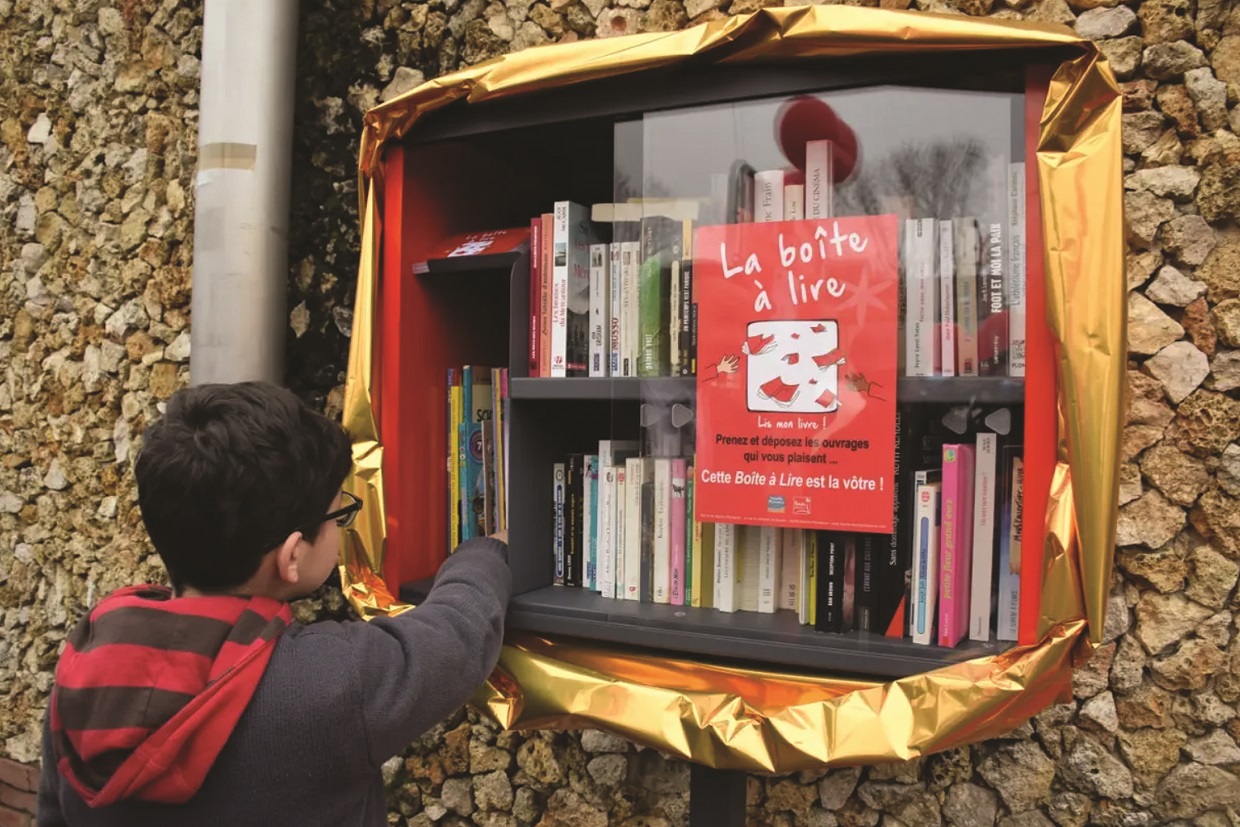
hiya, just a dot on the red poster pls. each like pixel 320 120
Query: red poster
pixel 796 388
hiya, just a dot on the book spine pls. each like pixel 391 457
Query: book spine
pixel 868 551
pixel 1010 535
pixel 599 312
pixel 811 579
pixel 634 472
pixel 769 195
pixel 678 545
pixel 590 522
pixel 725 568
pixel 557 517
pixel 499 446
pixel 615 290
pixel 790 569
pixel 661 573
pixel 794 202
pixel 965 246
pixel 925 564
pixel 559 290
pixel 947 301
pixel 693 542
pixel 748 563
pixel 454 469
pixel 956 543
pixel 993 334
pixel 574 562
pixel 920 287
pixel 673 314
pixel 488 480
pixel 630 328
pixel 704 554
pixel 605 571
pixel 648 526
pixel 536 243
pixel 768 568
pixel 463 450
pixel 620 523
pixel 1016 269
pixel 831 554
pixel 653 295
pixel 464 439
pixel 581 235
pixel 684 333
pixel 983 536
pixel 547 287
pixel 819 186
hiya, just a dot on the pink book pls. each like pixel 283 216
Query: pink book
pixel 956 543
pixel 678 532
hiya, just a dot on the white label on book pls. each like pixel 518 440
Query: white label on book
pixel 769 195
pixel 819 186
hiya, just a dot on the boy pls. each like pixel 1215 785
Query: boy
pixel 205 704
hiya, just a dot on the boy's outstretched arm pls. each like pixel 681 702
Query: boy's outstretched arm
pixel 415 669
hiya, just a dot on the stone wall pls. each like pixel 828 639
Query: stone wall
pixel 97 109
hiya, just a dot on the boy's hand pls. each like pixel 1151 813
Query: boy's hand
pixel 502 536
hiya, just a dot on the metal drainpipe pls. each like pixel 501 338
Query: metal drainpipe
pixel 241 213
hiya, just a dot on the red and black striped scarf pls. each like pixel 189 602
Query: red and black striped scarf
pixel 150 687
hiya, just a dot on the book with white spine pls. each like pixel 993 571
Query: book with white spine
pixel 630 318
pixel 925 561
pixel 947 301
pixel 819 186
pixel 600 311
pixel 984 513
pixel 768 192
pixel 662 574
pixel 725 568
pixel 794 202
pixel 612 455
pixel 769 560
pixel 1017 270
pixel 615 289
pixel 921 236
pixel 636 471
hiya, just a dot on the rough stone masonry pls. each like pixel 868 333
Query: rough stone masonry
pixel 97 135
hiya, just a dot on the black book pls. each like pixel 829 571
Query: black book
pixel 574 504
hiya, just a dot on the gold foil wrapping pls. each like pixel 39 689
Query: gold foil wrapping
pixel 761 720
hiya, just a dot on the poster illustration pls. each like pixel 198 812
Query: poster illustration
pixel 797 339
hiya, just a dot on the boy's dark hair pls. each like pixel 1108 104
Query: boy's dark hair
pixel 229 472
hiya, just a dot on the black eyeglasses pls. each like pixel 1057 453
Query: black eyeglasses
pixel 344 517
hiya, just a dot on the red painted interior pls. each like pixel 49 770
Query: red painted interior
pixel 1041 402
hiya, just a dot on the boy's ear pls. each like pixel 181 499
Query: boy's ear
pixel 288 558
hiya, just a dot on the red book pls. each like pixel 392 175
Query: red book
pixel 474 251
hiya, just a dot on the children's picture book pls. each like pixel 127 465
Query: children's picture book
pixel 797 339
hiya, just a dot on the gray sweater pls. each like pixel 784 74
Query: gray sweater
pixel 337 700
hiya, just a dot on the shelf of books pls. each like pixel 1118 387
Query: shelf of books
pixel 763 380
